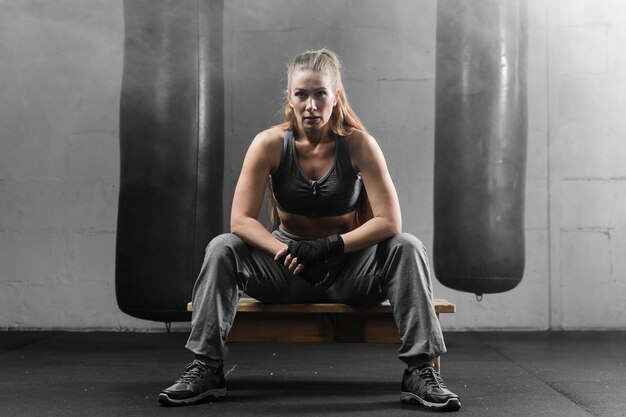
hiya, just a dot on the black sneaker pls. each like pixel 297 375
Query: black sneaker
pixel 425 387
pixel 198 382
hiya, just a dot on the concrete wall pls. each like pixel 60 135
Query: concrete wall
pixel 587 150
pixel 60 74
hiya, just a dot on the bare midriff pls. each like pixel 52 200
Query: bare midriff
pixel 316 227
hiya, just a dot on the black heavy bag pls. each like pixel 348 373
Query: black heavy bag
pixel 480 144
pixel 172 158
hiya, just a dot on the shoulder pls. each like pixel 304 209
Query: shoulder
pixel 359 138
pixel 362 145
pixel 271 137
pixel 266 147
pixel 269 140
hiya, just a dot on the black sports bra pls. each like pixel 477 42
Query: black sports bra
pixel 338 192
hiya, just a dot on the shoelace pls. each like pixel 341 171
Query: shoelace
pixel 432 378
pixel 193 371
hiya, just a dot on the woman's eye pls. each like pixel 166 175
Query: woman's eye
pixel 300 94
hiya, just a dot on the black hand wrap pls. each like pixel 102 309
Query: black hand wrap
pixel 310 252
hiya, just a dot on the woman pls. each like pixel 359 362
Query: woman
pixel 338 238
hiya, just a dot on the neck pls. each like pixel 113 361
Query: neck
pixel 314 136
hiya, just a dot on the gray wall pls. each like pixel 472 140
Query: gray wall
pixel 60 74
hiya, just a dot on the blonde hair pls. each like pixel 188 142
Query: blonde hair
pixel 342 122
pixel 343 119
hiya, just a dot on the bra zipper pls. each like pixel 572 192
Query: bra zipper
pixel 314 191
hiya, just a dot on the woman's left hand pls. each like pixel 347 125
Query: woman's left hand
pixel 314 278
pixel 290 262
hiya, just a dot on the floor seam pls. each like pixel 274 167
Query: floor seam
pixel 563 393
pixel 530 372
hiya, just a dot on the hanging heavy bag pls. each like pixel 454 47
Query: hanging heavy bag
pixel 171 145
pixel 480 144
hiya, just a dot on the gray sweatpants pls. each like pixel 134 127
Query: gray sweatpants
pixel 396 269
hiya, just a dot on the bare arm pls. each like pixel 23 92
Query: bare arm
pixel 262 157
pixel 387 218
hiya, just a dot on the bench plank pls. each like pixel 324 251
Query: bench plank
pixel 323 322
pixel 250 305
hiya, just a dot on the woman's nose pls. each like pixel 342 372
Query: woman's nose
pixel 311 105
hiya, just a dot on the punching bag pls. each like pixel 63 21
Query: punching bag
pixel 172 157
pixel 480 144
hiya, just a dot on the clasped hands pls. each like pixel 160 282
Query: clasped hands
pixel 312 255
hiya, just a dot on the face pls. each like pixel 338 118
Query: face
pixel 312 99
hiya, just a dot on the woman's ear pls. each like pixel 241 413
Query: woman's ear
pixel 288 98
pixel 337 96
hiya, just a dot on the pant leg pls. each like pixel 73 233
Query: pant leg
pixel 397 269
pixel 215 295
pixel 230 267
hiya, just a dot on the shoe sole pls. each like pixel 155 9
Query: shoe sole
pixel 452 404
pixel 216 394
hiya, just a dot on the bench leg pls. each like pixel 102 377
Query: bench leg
pixel 437 360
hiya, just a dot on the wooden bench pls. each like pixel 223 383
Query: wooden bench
pixel 259 322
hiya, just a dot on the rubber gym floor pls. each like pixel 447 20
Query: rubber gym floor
pixel 494 373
